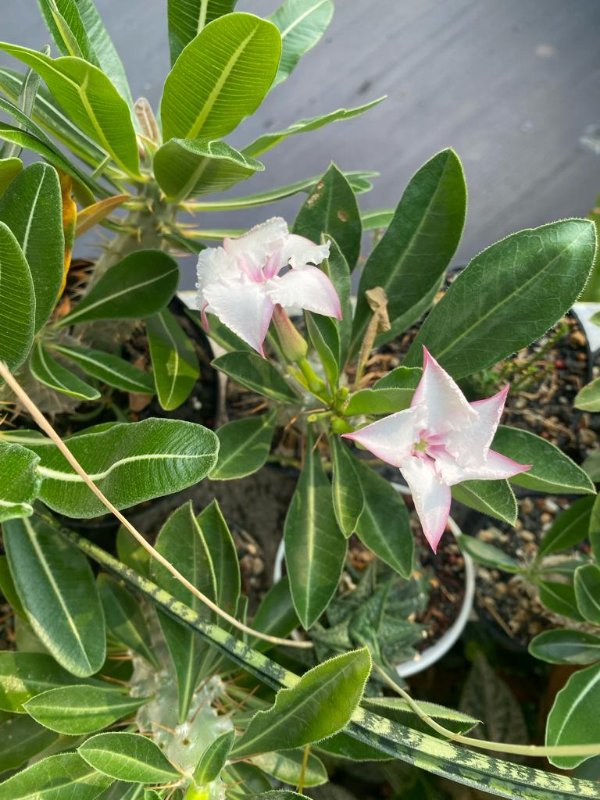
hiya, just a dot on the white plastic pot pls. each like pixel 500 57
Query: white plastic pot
pixel 428 657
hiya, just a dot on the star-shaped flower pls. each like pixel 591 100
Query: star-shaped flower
pixel 441 440
pixel 241 285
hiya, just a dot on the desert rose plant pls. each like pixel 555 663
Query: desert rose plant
pixel 147 678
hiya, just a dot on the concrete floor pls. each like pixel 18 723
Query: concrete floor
pixel 512 85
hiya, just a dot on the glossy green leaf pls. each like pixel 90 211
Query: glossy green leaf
pixel 90 99
pixel 587 592
pixel 588 399
pixel 17 301
pixel 410 260
pixel 191 167
pixel 245 445
pixel 569 528
pixel 560 598
pixel 77 710
pixel 276 614
pixel 24 675
pixel 324 335
pixel 257 374
pixel 338 271
pixel 19 481
pixel 110 369
pixel 269 140
pixel 493 498
pixel 124 619
pixel 377 401
pixel 60 777
pixel 319 705
pixel 331 209
pixel 182 542
pixel 488 555
pixel 383 525
pixel 128 757
pixel 214 758
pixel 551 470
pixel 566 647
pixel 56 587
pixel 302 24
pixel 130 462
pixel 486 313
pixel 347 492
pixel 32 209
pixel 223 556
pixel 315 547
pixel 80 28
pixel 174 360
pixel 22 738
pixel 9 169
pixel 222 76
pixel 138 286
pixel 376 220
pixel 405 378
pixel 52 373
pixel 288 767
pixel 188 17
pixel 574 719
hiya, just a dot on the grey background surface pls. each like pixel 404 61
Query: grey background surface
pixel 512 85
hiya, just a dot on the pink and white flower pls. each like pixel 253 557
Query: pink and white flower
pixel 240 282
pixel 441 440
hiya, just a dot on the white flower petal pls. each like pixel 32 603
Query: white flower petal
pixel 244 307
pixel 447 407
pixel 299 251
pixel 493 466
pixel 392 438
pixel 307 288
pixel 260 243
pixel 214 265
pixel 431 497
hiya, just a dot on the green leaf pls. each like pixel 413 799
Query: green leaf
pixel 566 647
pixel 560 598
pixel 214 758
pixel 550 471
pixel 405 378
pixel 130 462
pixel 56 587
pixel 174 360
pixel 574 719
pixel 376 220
pixel 131 553
pixel 587 592
pixel 347 493
pixel 17 301
pixel 91 101
pixel 569 528
pixel 188 17
pixel 138 286
pixel 19 481
pixel 588 399
pixel 222 76
pixel 377 401
pixel 22 738
pixel 124 618
pixel 383 525
pixel 398 710
pixel 9 169
pixel 24 675
pixel 410 260
pixel 128 757
pixel 8 589
pixel 50 372
pixel 338 271
pixel 315 547
pixel 32 209
pixel 244 446
pixel 289 767
pixel 319 705
pixel 191 167
pixel 276 614
pixel 257 374
pixel 58 777
pixel 331 209
pixel 325 338
pixel 110 369
pixel 85 30
pixel 302 24
pixel 486 313
pixel 269 140
pixel 223 556
pixel 77 710
pixel 493 498
pixel 488 555
pixel 182 543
